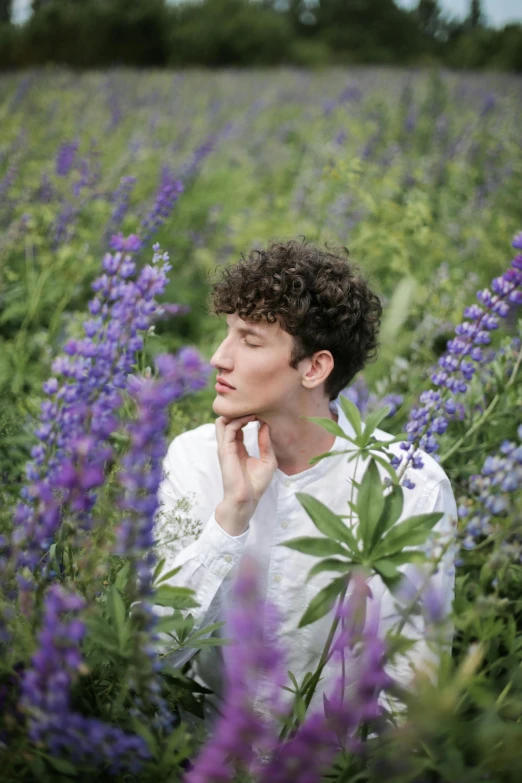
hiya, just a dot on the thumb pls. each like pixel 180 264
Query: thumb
pixel 266 450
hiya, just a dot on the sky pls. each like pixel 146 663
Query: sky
pixel 498 12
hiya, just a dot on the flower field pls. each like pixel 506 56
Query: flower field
pixel 120 192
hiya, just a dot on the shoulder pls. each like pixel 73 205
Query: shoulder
pixel 198 444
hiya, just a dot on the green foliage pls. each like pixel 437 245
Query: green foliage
pixel 424 192
pixel 221 33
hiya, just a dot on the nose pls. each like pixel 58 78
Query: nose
pixel 222 359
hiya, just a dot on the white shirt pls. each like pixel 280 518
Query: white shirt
pixel 192 472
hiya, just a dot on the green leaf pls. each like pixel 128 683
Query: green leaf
pixel 157 570
pixel 62 765
pixel 326 521
pixel 323 601
pixel 212 641
pixel 329 564
pixel 103 634
pixel 168 575
pixel 397 309
pixel 386 568
pixel 169 623
pixel 330 426
pixel 370 503
pixel 175 597
pixel 351 411
pixel 372 421
pixel 208 629
pixel 393 505
pixel 386 465
pixel 122 577
pixel 410 532
pixel 320 547
pixel 117 611
pixel 334 453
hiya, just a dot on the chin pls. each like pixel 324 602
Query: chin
pixel 223 407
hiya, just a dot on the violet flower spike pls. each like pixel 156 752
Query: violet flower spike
pixel 80 414
pixel 45 695
pixel 458 365
pixel 242 734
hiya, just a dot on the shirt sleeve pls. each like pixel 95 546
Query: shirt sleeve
pixel 431 629
pixel 186 503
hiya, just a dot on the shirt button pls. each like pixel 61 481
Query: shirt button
pixel 277 578
pixel 228 558
pixel 287 483
pixel 284 524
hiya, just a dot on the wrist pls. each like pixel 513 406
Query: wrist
pixel 234 517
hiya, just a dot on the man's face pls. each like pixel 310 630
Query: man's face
pixel 254 359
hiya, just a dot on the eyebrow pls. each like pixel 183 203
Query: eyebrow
pixel 249 330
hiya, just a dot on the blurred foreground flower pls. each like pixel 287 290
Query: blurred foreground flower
pixel 245 736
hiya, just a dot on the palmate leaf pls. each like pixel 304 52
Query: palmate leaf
pixel 327 522
pixel 330 564
pixel 371 423
pixel 167 575
pixel 392 509
pixel 323 601
pixel 320 547
pixel 327 454
pixel 410 532
pixel 351 411
pixel 175 597
pixel 370 504
pixel 330 426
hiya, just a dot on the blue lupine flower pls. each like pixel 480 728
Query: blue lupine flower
pixel 429 419
pixel 65 157
pixel 81 414
pixel 45 694
pixel 167 195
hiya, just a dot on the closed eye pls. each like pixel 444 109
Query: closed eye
pixel 251 345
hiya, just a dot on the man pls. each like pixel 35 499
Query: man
pixel 301 323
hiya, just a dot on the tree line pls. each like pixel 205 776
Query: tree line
pixel 255 33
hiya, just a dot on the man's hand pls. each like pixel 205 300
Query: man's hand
pixel 245 478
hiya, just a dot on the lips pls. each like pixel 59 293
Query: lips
pixel 222 382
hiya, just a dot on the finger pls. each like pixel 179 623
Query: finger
pixel 220 429
pixel 266 449
pixel 232 428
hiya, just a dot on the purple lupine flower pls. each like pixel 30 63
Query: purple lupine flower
pixel 366 401
pixel 45 192
pixel 255 672
pixel 359 393
pixel 491 492
pixel 120 199
pixel 142 465
pixel 354 698
pixel 140 480
pixel 45 694
pixel 79 417
pixel 198 156
pixel 62 224
pixel 459 363
pixel 166 197
pixel 170 309
pixel 65 157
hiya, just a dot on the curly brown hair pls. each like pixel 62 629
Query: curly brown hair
pixel 316 295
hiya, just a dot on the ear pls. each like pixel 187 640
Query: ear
pixel 316 369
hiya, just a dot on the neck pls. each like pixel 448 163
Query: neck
pixel 296 440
